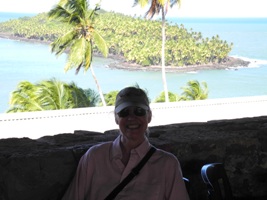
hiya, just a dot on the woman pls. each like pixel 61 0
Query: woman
pixel 104 166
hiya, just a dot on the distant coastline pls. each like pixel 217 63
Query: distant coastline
pixel 120 63
pixel 231 63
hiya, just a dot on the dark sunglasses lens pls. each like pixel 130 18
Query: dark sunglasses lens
pixel 140 112
pixel 137 111
pixel 123 113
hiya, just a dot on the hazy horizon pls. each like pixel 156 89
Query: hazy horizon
pixel 188 9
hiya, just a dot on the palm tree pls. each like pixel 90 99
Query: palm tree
pixel 47 95
pixel 92 96
pixel 80 97
pixel 54 95
pixel 194 91
pixel 24 99
pixel 81 38
pixel 111 97
pixel 172 97
pixel 157 6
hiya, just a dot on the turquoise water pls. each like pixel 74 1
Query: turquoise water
pixel 249 35
pixel 33 62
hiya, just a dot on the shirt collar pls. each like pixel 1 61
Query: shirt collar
pixel 141 150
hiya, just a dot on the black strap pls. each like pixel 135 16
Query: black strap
pixel 133 173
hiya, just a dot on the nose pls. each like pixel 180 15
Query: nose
pixel 131 114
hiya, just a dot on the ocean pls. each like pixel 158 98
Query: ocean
pixel 20 61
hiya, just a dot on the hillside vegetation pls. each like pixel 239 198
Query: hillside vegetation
pixel 136 39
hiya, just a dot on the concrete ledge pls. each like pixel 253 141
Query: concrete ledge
pixel 100 119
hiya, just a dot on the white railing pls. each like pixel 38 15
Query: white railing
pixel 37 124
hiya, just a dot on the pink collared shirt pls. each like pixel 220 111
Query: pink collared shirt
pixel 100 170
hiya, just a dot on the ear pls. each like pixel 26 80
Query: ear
pixel 116 119
pixel 149 116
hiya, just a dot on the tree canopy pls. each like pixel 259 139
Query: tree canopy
pixel 47 95
pixel 128 37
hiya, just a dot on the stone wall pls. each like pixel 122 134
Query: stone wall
pixel 42 169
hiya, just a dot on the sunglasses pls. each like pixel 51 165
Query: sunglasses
pixel 136 111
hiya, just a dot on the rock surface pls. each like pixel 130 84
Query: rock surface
pixel 42 169
pixel 229 63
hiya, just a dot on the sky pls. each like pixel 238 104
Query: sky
pixel 189 8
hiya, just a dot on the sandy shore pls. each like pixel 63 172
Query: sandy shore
pixel 120 63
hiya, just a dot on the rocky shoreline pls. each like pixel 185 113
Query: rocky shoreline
pixel 120 63
pixel 230 63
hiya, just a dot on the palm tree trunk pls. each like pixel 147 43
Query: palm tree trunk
pixel 163 57
pixel 98 87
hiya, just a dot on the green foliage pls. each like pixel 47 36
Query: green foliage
pixel 161 98
pixel 138 40
pixel 79 39
pixel 54 95
pixel 110 97
pixel 92 96
pixel 24 98
pixel 47 95
pixel 192 91
pixel 80 97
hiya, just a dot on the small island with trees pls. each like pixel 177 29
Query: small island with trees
pixel 134 42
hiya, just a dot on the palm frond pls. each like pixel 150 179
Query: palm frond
pixel 88 55
pixel 93 13
pixel 62 43
pixel 78 96
pixel 54 95
pixel 194 91
pixel 76 55
pixel 155 8
pixel 173 2
pixel 142 3
pixel 45 95
pixel 59 13
pixel 72 12
pixel 92 96
pixel 100 43
pixel 24 98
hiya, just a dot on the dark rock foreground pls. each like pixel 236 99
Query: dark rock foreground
pixel 42 169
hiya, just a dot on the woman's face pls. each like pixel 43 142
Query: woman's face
pixel 133 122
